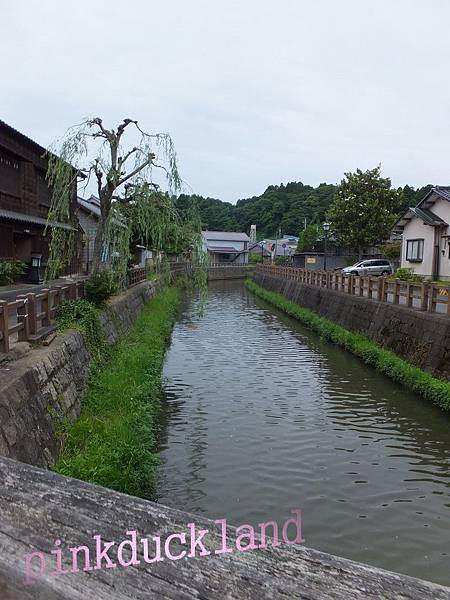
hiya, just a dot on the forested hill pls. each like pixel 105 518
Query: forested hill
pixel 285 205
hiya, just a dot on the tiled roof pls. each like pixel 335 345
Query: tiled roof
pixel 427 216
pixel 443 191
pixel 92 204
pixel 21 135
pixel 10 215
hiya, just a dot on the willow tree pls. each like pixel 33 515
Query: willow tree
pixel 121 162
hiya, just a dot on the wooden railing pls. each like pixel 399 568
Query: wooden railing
pixel 231 265
pixel 423 296
pixel 32 315
pixel 136 275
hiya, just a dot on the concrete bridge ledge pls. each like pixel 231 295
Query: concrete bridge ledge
pixel 38 507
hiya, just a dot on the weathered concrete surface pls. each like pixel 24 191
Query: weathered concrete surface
pixel 421 338
pixel 36 393
pixel 38 507
pixel 238 272
pixel 43 389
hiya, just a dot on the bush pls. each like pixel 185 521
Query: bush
pixel 11 271
pixel 282 260
pixel 407 274
pixel 83 316
pixel 254 259
pixel 100 286
pixel 392 250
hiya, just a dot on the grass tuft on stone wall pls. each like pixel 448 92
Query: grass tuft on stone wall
pixel 113 443
pixel 386 362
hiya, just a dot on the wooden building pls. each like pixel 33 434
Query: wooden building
pixel 24 198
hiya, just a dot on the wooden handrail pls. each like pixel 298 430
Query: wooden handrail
pixel 422 296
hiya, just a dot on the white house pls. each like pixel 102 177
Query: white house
pixel 226 246
pixel 425 235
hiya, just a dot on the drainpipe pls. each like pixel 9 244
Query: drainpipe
pixel 436 254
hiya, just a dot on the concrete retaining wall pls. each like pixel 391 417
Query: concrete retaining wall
pixel 422 338
pixel 44 388
pixel 230 272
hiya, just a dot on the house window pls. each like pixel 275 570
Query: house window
pixel 414 250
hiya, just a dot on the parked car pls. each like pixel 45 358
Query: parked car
pixel 374 266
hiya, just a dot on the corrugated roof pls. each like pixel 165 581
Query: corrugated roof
pixel 226 236
pixel 225 250
pixel 15 216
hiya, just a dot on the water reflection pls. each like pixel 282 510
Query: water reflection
pixel 262 416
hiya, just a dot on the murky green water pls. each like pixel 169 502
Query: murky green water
pixel 262 416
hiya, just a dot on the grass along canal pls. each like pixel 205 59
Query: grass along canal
pixel 261 415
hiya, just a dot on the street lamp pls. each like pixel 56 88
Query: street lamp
pixel 326 229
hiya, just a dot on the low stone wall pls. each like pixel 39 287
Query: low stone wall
pixel 121 311
pixel 238 272
pixel 421 338
pixel 44 388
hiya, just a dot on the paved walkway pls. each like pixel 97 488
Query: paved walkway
pixel 10 292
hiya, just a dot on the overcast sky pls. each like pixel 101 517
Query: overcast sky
pixel 253 92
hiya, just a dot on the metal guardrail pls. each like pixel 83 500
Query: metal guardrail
pixel 424 296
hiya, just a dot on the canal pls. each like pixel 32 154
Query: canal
pixel 261 416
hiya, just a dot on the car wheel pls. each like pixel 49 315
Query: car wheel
pixel 384 273
pixel 354 273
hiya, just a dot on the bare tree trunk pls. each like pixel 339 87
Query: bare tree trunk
pixel 98 247
pixel 99 242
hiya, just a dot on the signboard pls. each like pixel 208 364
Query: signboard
pixel 311 260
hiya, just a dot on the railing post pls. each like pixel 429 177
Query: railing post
pixel 395 296
pixel 22 317
pixel 409 300
pixel 431 298
pixel 350 284
pixel 31 308
pixel 361 286
pixel 4 326
pixel 46 307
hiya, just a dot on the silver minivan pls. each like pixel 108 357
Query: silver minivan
pixel 374 266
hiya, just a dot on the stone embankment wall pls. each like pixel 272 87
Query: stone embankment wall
pixel 421 338
pixel 44 388
pixel 230 272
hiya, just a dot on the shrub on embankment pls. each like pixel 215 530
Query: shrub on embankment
pixel 386 362
pixel 113 443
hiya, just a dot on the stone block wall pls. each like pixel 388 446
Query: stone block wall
pixel 230 272
pixel 420 337
pixel 44 388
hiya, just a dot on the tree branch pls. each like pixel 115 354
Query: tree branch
pixel 136 170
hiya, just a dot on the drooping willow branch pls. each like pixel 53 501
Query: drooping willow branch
pixel 94 150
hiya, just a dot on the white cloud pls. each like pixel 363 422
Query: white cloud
pixel 253 92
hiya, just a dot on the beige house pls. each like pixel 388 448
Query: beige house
pixel 226 247
pixel 425 235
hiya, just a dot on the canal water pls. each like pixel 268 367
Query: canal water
pixel 262 416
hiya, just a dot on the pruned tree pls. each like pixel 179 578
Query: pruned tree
pixel 123 172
